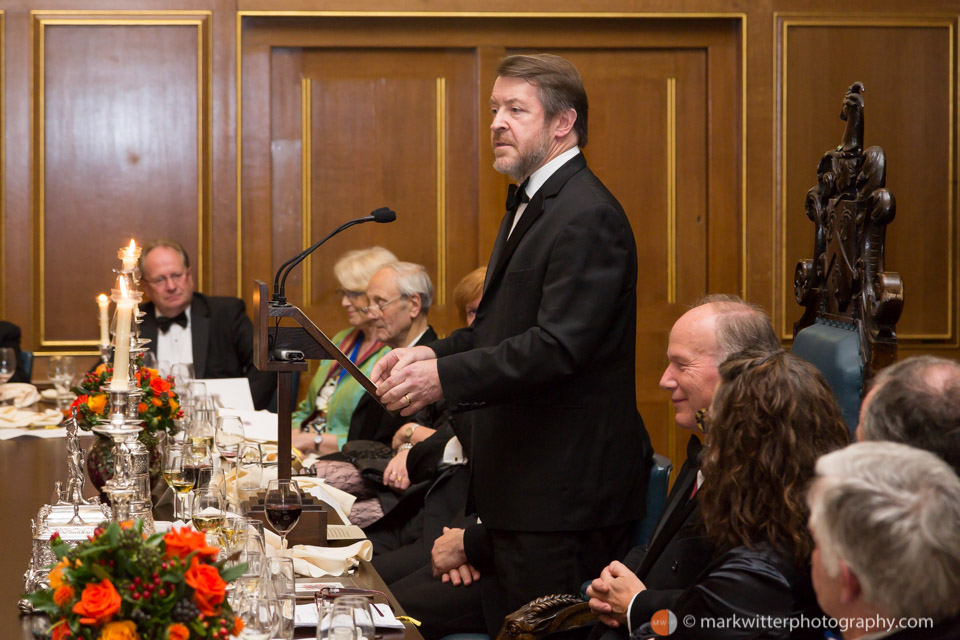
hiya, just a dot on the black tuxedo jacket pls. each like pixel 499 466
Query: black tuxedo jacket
pixel 222 337
pixel 10 338
pixel 678 551
pixel 369 420
pixel 548 366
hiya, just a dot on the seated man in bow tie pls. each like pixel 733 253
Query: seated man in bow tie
pixel 211 332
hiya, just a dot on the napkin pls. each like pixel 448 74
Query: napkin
pixel 315 562
pixel 21 393
pixel 13 418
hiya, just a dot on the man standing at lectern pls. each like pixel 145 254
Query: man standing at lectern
pixel 546 373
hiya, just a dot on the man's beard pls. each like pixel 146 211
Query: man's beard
pixel 529 160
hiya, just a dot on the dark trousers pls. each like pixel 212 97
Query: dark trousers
pixel 440 607
pixel 528 565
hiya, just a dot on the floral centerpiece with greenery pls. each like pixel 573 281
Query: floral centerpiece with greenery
pixel 121 585
pixel 158 408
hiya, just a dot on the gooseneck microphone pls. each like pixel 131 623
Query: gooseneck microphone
pixel 383 214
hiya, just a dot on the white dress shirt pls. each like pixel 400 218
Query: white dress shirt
pixel 539 177
pixel 176 345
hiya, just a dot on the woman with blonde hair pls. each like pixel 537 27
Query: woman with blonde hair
pixel 333 394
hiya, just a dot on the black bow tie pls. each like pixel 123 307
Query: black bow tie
pixel 516 195
pixel 163 322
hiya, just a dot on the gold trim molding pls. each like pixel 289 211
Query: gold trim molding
pixel 3 166
pixel 306 185
pixel 39 21
pixel 671 190
pixel 441 288
pixel 782 21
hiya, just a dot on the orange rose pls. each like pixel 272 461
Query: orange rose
pixel 177 631
pixel 182 542
pixel 141 408
pixel 100 369
pixel 125 630
pixel 97 403
pixel 174 405
pixel 208 587
pixel 237 626
pixel 63 595
pixel 157 402
pixel 60 631
pixel 56 574
pixel 98 603
pixel 159 385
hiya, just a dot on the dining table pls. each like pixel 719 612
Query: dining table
pixel 29 468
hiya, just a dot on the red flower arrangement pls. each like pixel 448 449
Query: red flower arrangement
pixel 158 408
pixel 120 585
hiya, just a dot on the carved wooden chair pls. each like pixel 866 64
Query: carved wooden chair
pixel 848 328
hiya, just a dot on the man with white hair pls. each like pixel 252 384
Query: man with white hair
pixel 885 519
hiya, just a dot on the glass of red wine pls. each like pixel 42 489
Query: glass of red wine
pixel 283 504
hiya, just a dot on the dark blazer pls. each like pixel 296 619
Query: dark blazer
pixel 370 421
pixel 10 338
pixel 760 587
pixel 548 367
pixel 222 336
pixel 678 551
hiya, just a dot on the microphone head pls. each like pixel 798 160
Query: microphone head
pixel 384 214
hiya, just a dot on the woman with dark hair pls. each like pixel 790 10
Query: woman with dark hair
pixel 772 416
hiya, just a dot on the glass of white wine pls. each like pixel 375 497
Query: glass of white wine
pixel 174 459
pixel 207 513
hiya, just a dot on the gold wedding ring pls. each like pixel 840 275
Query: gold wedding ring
pixel 406 397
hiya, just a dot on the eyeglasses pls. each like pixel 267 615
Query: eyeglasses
pixel 161 280
pixel 379 307
pixel 353 295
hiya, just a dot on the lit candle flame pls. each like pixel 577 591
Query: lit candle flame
pixel 132 247
pixel 101 298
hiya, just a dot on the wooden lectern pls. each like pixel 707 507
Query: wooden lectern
pixel 307 338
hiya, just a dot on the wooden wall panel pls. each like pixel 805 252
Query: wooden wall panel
pixel 376 113
pixel 910 112
pixel 120 151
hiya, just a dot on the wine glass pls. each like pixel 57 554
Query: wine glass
pixel 198 464
pixel 8 364
pixel 283 505
pixel 250 463
pixel 228 438
pixel 174 459
pixel 61 370
pixel 279 571
pixel 260 617
pixel 207 512
pixel 362 615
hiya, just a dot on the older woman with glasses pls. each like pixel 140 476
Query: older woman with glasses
pixel 333 395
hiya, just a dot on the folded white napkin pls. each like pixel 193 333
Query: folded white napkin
pixel 315 562
pixel 13 418
pixel 21 393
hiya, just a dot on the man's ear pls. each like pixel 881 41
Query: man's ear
pixel 850 588
pixel 415 305
pixel 564 122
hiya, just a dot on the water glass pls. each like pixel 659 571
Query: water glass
pixel 8 364
pixel 287 609
pixel 279 571
pixel 250 464
pixel 261 617
pixel 362 615
pixel 61 370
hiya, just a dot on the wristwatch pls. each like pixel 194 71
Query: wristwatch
pixel 408 432
pixel 405 446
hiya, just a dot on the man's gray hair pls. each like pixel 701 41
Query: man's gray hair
pixel 917 402
pixel 741 326
pixel 891 514
pixel 413 279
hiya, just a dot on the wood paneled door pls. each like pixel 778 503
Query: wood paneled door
pixel 343 114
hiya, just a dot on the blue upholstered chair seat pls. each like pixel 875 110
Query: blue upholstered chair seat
pixel 834 349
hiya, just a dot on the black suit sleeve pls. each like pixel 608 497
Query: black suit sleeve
pixel 262 383
pixel 426 455
pixel 741 584
pixel 582 288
